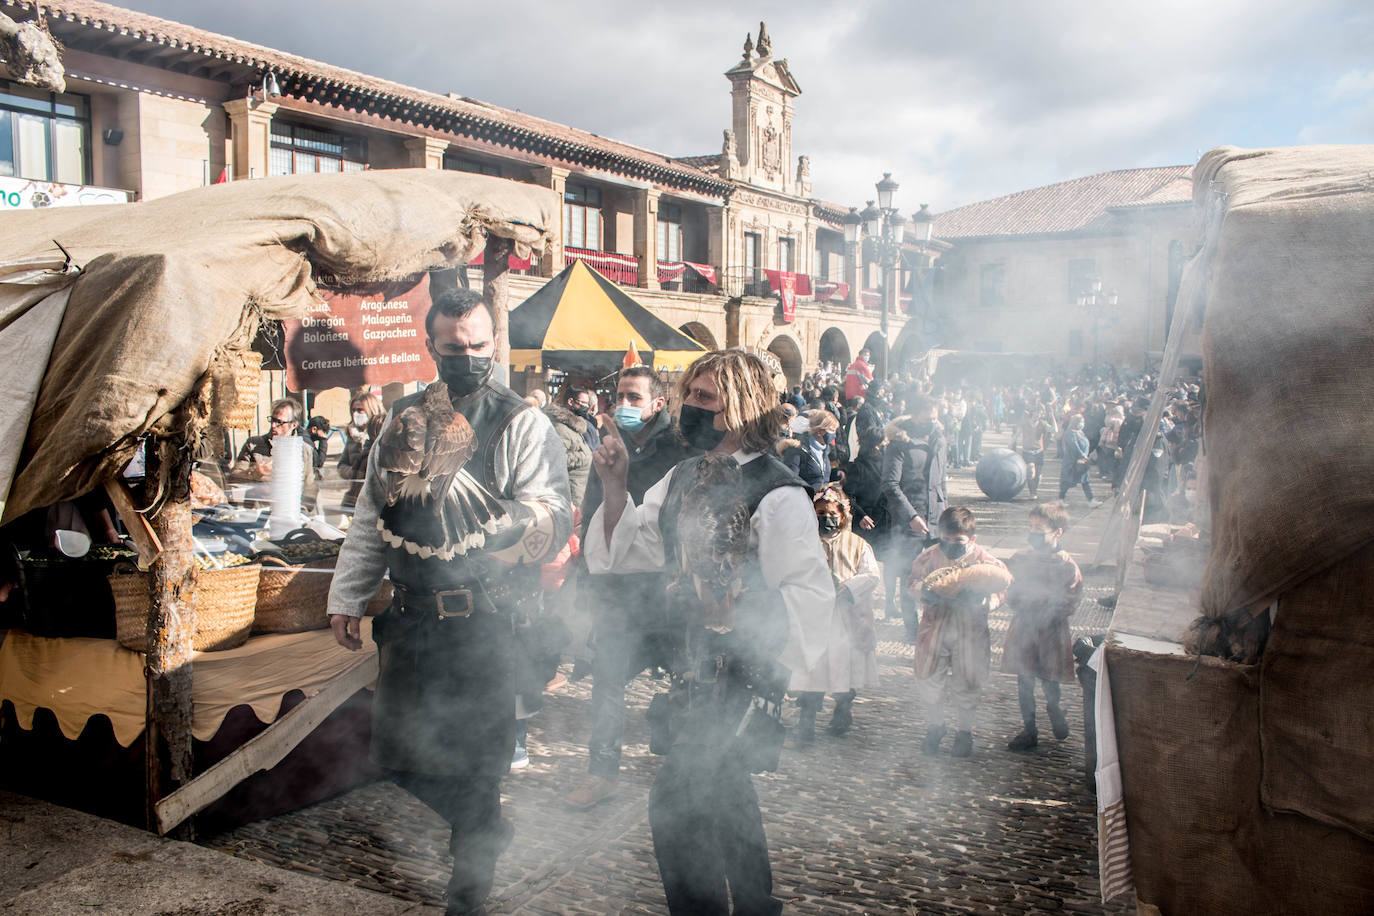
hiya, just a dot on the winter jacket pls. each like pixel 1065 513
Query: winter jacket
pixel 914 477
pixel 572 430
pixel 663 447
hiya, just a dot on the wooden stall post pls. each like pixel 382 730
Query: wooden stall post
pixel 171 623
pixel 496 290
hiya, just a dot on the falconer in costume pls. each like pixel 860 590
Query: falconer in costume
pixel 466 494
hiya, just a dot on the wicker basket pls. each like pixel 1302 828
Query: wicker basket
pixel 224 603
pixel 235 377
pixel 380 601
pixel 292 599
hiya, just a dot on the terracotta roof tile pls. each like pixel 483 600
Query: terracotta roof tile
pixel 1069 206
pixel 112 18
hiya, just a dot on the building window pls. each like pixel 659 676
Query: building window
pixel 44 136
pixel 1075 343
pixel 753 270
pixel 297 150
pixel 787 260
pixel 992 286
pixel 1082 272
pixel 454 164
pixel 582 217
pixel 669 232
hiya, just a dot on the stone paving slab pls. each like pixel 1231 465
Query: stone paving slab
pixel 57 861
pixel 864 824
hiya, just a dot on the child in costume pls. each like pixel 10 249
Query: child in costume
pixel 960 582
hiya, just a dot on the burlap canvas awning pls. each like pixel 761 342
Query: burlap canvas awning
pixel 113 344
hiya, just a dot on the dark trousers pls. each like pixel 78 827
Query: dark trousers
pixel 1025 693
pixel 618 642
pixel 472 807
pixel 1064 489
pixel 708 835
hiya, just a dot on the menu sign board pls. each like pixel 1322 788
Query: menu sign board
pixel 362 335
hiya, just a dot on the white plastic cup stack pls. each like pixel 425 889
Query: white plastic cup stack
pixel 288 472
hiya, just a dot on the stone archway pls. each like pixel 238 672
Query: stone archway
pixel 701 334
pixel 834 348
pixel 789 355
pixel 876 345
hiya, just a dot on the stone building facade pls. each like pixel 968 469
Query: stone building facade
pixel 705 242
pixel 1014 269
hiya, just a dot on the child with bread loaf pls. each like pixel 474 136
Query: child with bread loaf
pixel 1043 598
pixel 960 582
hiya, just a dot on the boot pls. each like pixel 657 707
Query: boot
pixel 1058 722
pixel 843 716
pixel 806 726
pixel 963 745
pixel 1027 739
pixel 520 758
pixel 593 791
pixel 934 735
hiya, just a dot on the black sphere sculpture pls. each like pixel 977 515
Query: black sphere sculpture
pixel 1001 473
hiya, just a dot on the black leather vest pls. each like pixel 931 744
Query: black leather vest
pixel 490 411
pixel 760 614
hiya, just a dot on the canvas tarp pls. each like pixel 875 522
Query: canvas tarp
pixel 166 285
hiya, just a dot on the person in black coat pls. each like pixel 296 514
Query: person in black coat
pixel 915 485
pixel 863 484
pixel 808 455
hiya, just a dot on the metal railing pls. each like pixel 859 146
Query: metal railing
pixel 619 268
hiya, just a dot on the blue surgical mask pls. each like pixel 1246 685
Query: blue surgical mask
pixel 629 418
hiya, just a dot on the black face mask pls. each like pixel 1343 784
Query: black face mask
pixel 829 524
pixel 953 549
pixel 464 374
pixel 1038 540
pixel 697 426
pixel 583 412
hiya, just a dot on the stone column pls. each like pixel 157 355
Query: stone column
pixel 646 237
pixel 426 152
pixel 555 179
pixel 250 124
pixel 853 271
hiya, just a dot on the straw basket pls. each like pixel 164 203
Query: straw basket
pixel 224 603
pixel 292 599
pixel 380 601
pixel 234 389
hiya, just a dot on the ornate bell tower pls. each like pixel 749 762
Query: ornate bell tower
pixel 758 150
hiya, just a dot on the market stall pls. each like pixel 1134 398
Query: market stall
pixel 144 320
pixel 581 322
pixel 1235 708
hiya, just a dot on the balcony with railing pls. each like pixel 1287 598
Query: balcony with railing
pixel 614 266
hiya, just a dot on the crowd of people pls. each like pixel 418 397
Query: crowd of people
pixel 741 550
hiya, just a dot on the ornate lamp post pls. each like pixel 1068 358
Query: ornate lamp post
pixel 1095 302
pixel 886 229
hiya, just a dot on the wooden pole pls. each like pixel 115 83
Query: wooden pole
pixel 171 623
pixel 496 290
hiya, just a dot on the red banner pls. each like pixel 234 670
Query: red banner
pixel 371 335
pixel 787 291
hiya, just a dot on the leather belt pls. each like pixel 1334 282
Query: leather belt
pixel 453 602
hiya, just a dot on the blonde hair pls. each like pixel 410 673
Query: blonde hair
pixel 369 403
pixel 822 421
pixel 748 395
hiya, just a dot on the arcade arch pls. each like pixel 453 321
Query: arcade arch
pixel 834 348
pixel 789 355
pixel 701 334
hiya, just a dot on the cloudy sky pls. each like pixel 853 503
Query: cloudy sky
pixel 960 101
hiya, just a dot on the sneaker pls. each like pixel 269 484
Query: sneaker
pixel 934 735
pixel 1059 722
pixel 1094 503
pixel 593 791
pixel 521 758
pixel 963 745
pixel 1027 739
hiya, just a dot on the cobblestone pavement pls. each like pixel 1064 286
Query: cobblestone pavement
pixel 863 824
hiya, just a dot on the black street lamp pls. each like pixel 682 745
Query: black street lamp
pixel 1096 302
pixel 886 229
